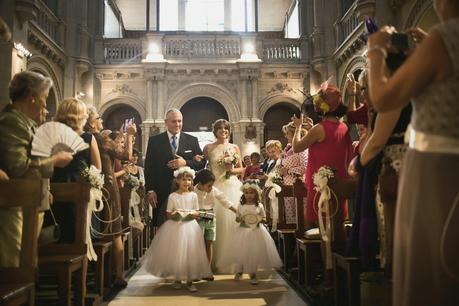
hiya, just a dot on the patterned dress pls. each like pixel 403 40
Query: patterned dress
pixel 426 252
pixel 296 165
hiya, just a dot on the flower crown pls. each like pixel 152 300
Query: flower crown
pixel 182 170
pixel 253 184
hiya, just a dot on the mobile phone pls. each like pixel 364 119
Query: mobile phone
pixel 370 24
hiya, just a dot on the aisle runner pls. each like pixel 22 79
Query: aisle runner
pixel 144 289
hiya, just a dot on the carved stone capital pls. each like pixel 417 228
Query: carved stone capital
pixel 249 73
pixel 26 10
pixel 154 73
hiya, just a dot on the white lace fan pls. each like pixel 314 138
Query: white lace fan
pixel 53 137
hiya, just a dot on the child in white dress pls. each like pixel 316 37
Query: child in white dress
pixel 208 197
pixel 178 251
pixel 251 249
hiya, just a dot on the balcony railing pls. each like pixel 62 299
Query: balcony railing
pixel 47 22
pixel 281 50
pixel 122 50
pixel 347 24
pixel 204 46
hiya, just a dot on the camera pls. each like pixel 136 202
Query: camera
pixel 400 41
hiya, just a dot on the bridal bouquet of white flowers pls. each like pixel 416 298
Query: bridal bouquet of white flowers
pixel 228 159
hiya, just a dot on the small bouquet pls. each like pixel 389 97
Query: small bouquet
pixel 276 177
pixel 92 176
pixel 132 181
pixel 228 159
pixel 321 177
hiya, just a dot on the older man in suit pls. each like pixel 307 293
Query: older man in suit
pixel 167 152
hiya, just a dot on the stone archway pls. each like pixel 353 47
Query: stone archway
pixel 209 90
pixel 422 14
pixel 199 113
pixel 40 65
pixel 116 114
pixel 274 118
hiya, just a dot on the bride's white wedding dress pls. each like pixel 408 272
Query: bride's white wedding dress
pixel 226 219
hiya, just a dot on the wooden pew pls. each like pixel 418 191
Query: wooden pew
pixel 125 195
pixel 17 284
pixel 65 258
pixel 287 233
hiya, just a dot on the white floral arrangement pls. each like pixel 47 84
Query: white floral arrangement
pixel 321 177
pixel 93 177
pixel 132 181
pixel 275 177
pixel 227 159
pixel 182 170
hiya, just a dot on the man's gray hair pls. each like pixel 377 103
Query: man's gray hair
pixel 28 83
pixel 172 110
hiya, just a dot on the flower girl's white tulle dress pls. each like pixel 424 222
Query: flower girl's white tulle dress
pixel 177 250
pixel 250 249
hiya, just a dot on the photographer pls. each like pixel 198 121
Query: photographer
pixel 425 259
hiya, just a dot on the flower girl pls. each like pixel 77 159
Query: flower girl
pixel 178 250
pixel 255 247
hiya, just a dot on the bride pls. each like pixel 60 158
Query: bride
pixel 226 180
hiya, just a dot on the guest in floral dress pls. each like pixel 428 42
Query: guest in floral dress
pixel 293 166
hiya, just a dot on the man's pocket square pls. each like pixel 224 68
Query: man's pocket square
pixel 187 151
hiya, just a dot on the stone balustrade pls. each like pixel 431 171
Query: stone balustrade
pixel 47 21
pixel 347 24
pixel 118 50
pixel 201 46
pixel 189 47
pixel 281 50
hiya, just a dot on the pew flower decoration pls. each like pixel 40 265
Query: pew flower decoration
pixel 320 179
pixel 132 181
pixel 228 159
pixel 273 182
pixel 95 179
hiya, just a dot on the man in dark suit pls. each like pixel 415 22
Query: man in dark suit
pixel 167 152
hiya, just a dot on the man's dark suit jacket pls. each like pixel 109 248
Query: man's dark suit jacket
pixel 158 176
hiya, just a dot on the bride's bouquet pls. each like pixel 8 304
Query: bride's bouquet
pixel 228 159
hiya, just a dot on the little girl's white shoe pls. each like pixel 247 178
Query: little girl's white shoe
pixel 191 287
pixel 177 285
pixel 238 276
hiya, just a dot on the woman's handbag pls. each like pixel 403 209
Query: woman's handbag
pixel 50 233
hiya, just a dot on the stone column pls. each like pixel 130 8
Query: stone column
pixel 160 101
pixel 254 83
pixel 243 97
pixel 150 92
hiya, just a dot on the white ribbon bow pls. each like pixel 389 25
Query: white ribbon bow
pixel 95 195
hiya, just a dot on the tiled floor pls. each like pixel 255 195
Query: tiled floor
pixel 144 289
